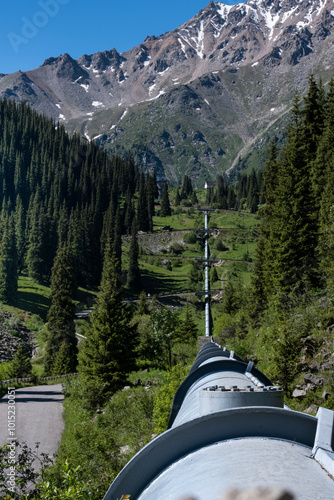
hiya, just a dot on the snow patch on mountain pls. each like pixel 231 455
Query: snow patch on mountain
pixel 322 4
pixel 183 47
pixel 195 42
pixel 270 19
pixel 223 10
pixel 289 14
pixel 124 114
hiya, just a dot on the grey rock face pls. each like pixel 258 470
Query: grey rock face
pixel 228 74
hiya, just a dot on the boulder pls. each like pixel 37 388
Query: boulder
pixel 311 378
pixel 299 393
pixel 311 410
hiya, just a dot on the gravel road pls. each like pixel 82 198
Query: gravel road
pixel 38 417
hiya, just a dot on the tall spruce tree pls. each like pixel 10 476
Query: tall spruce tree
pixel 188 331
pixel 8 261
pixel 117 239
pixel 61 327
pixel 165 209
pixel 313 115
pixel 322 167
pixel 133 275
pixel 143 217
pixel 253 193
pixel 21 365
pixel 108 352
pixel 20 222
pixel 289 233
pixel 177 198
pixel 264 263
pixel 187 188
pixel 296 258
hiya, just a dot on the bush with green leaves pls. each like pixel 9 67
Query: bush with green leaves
pixel 190 238
pixel 26 477
pixel 32 485
pixel 220 246
pixel 116 431
pixel 164 398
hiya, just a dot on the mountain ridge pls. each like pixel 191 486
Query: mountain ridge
pixel 250 58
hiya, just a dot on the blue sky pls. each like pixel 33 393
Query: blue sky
pixel 33 30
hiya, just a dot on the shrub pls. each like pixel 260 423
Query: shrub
pixel 220 246
pixel 176 248
pixel 164 398
pixel 190 238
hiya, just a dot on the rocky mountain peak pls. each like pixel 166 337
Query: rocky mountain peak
pixel 242 62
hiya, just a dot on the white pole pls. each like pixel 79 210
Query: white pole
pixel 207 284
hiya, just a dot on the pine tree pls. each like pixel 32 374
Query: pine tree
pixel 108 352
pixel 165 209
pixel 8 261
pixel 187 331
pixel 133 275
pixel 177 198
pixel 326 237
pixel 63 362
pixel 21 366
pixel 187 188
pixel 214 275
pixel 40 252
pixel 220 193
pixel 143 218
pixel 322 167
pixel 193 198
pixel 20 226
pixel 229 304
pixel 289 232
pixel 150 191
pixel 259 290
pixel 296 259
pixel 61 327
pixel 129 213
pixel 117 239
pixel 231 198
pixel 142 308
pixel 164 324
pixel 253 193
pixel 313 119
pixel 286 354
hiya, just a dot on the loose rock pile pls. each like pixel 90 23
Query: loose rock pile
pixel 12 335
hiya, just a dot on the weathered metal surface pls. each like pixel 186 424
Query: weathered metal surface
pixel 220 437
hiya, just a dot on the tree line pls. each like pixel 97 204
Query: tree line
pixel 295 250
pixel 57 189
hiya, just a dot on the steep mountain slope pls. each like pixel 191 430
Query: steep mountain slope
pixel 191 100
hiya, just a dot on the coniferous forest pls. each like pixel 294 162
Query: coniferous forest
pixel 57 189
pixel 295 250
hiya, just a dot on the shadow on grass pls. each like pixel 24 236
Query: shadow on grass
pixel 155 284
pixel 86 298
pixel 173 300
pixel 33 303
